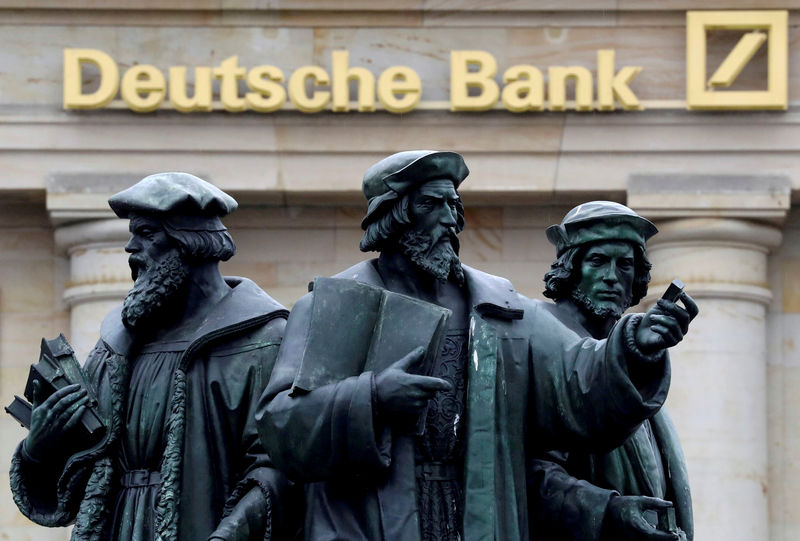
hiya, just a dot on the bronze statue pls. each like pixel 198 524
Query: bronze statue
pixel 600 271
pixel 177 373
pixel 417 448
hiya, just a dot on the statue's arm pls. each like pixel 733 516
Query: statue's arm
pixel 43 491
pixel 592 394
pixel 328 432
pixel 263 504
pixel 564 507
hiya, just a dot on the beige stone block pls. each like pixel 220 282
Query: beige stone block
pixel 525 275
pixel 32 532
pixel 24 210
pixel 20 338
pixel 381 133
pixel 690 135
pixel 505 19
pixel 508 178
pixel 278 217
pixel 347 245
pixel 526 245
pixel 26 244
pixel 534 216
pixel 350 217
pixel 300 274
pixel 604 175
pixel 264 274
pixel 480 244
pixel 520 5
pixel 288 295
pixel 791 286
pixel 150 134
pixel 477 217
pixel 402 18
pixel 707 4
pixel 789 346
pixel 27 286
pixel 287 245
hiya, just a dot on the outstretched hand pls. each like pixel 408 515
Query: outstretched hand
pixel 402 395
pixel 52 419
pixel 625 520
pixel 665 324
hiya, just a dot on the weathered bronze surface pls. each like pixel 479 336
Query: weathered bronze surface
pixel 602 269
pixel 177 374
pixel 441 450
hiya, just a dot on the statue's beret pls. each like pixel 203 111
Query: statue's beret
pixel 598 221
pixel 173 194
pixel 392 177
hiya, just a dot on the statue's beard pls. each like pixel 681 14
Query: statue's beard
pixel 598 312
pixel 157 294
pixel 436 258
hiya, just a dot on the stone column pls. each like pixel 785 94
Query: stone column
pixel 99 275
pixel 718 396
pixel 715 235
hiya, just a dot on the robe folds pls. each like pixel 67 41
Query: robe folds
pixel 530 382
pixel 570 491
pixel 212 458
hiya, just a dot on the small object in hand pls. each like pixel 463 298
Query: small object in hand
pixel 673 291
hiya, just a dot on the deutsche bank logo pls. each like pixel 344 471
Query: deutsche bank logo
pixel 762 28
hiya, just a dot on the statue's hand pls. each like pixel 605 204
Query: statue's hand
pixel 665 324
pixel 401 395
pixel 52 419
pixel 625 520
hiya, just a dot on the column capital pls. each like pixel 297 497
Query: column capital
pixel 111 232
pixel 665 196
pixel 719 258
pixel 698 231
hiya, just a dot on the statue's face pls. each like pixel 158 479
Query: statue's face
pixel 160 276
pixel 606 279
pixel 433 209
pixel 429 240
pixel 148 244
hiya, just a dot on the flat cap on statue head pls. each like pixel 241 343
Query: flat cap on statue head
pixel 597 221
pixel 396 175
pixel 197 204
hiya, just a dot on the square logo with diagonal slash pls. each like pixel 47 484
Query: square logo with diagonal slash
pixel 706 90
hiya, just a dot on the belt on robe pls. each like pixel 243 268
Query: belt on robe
pixel 438 471
pixel 140 478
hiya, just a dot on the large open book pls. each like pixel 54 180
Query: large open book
pixel 357 327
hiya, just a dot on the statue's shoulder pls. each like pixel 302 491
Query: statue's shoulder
pixel 363 271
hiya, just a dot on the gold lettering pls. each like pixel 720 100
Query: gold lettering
pixel 74 98
pixel 342 74
pixel 462 80
pixel 557 88
pixel 201 100
pixel 524 90
pixel 402 81
pixel 143 88
pixel 229 72
pixel 610 85
pixel 267 95
pixel 297 89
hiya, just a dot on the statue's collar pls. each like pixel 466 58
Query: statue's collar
pixel 244 305
pixel 489 295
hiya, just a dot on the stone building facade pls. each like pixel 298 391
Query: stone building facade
pixel 723 187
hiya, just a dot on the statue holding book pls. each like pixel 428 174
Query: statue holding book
pixel 155 437
pixel 410 390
